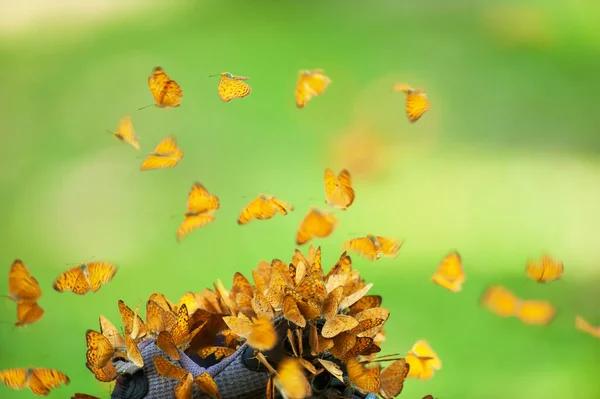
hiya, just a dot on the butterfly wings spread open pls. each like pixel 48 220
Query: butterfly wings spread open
pixel 263 207
pixel 315 224
pixel 81 279
pixel 166 92
pixel 310 84
pixel 200 206
pixel 167 154
pixel 231 87
pixel 339 193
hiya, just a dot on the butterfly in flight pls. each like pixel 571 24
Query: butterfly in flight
pixel 166 92
pixel 544 270
pixel 373 247
pixel 166 155
pixel 126 134
pixel 339 193
pixel 450 274
pixel 25 290
pixel 231 86
pixel 201 205
pixel 263 207
pixel 316 223
pixel 417 102
pixel 85 277
pixel 310 84
pixel 40 381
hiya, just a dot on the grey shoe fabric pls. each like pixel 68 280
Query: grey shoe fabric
pixel 237 382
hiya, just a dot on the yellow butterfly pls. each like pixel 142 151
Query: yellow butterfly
pixel 166 92
pixel 547 269
pixel 231 86
pixel 126 134
pixel 339 193
pixel 450 274
pixel 416 101
pixel 166 155
pixel 200 206
pixel 310 84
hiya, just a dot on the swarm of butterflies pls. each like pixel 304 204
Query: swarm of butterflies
pixel 341 319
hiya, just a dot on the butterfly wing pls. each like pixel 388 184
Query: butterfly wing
pixel 338 189
pixel 281 206
pixel 166 92
pixel 44 380
pixel 534 270
pixel 185 388
pixel 159 319
pixel 83 396
pixel 230 88
pixel 416 105
pixel 310 84
pixel 100 273
pixel 450 274
pixel 191 223
pixel 74 280
pixel 315 224
pixel 552 269
pixel 500 301
pixel 14 378
pixel 536 312
pixel 582 325
pixel 259 208
pixel 28 313
pixel 165 343
pixel 109 330
pixel 166 369
pixel 22 286
pixel 363 246
pixel 389 246
pixel 126 133
pixel 392 379
pixel 107 373
pixel 167 154
pixel 201 201
pixel 99 349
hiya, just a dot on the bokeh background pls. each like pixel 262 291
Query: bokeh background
pixel 502 168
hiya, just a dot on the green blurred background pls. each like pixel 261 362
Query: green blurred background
pixel 503 167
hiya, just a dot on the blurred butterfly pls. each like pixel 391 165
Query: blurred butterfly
pixel 547 269
pixel 25 290
pixel 423 361
pixel 416 101
pixel 200 206
pixel 166 155
pixel 166 92
pixel 536 312
pixel 290 379
pixel 310 84
pixel 316 223
pixel 40 381
pixel 373 247
pixel 86 277
pixel 263 207
pixel 339 193
pixel 500 301
pixel 582 325
pixel 126 134
pixel 450 274
pixel 231 86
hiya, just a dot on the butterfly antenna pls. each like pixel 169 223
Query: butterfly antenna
pixel 108 131
pixel 144 107
pixel 216 74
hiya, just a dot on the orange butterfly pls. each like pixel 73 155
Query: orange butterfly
pixel 126 134
pixel 338 189
pixel 392 379
pixel 316 223
pixel 423 361
pixel 200 206
pixel 263 207
pixel 22 286
pixel 166 92
pixel 40 381
pixel 88 276
pixel 547 269
pixel 582 325
pixel 450 274
pixel 166 155
pixel 231 86
pixel 536 312
pixel 310 84
pixel 25 290
pixel 500 301
pixel 373 247
pixel 416 101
